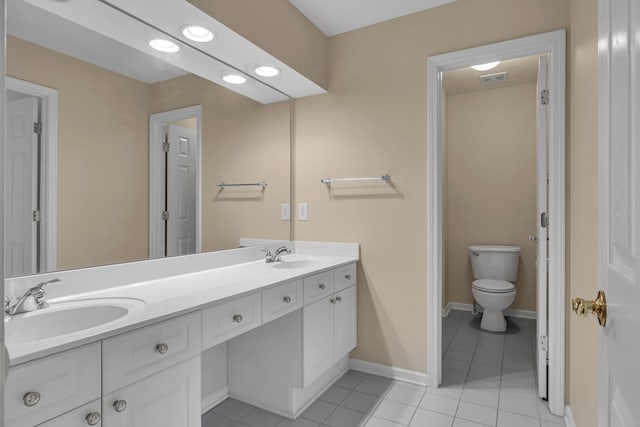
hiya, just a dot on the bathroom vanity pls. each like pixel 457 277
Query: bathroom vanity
pixel 275 335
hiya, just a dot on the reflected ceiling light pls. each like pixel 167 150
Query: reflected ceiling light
pixel 163 45
pixel 197 34
pixel 234 79
pixel 485 67
pixel 266 71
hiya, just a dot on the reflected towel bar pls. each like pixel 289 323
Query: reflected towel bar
pixel 328 181
pixel 224 185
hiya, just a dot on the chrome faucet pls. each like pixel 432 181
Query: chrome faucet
pixel 275 257
pixel 33 299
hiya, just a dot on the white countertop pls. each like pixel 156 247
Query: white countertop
pixel 160 299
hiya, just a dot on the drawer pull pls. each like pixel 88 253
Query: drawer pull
pixel 31 399
pixel 93 418
pixel 287 300
pixel 120 405
pixel 338 298
pixel 322 286
pixel 347 276
pixel 332 300
pixel 237 318
pixel 162 348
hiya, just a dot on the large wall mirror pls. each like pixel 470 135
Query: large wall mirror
pixel 130 151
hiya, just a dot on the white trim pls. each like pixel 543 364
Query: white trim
pixel 214 399
pixel 569 421
pixel 49 176
pixel 552 43
pixel 397 374
pixel 511 312
pixel 156 181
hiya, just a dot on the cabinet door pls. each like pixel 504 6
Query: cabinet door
pixel 169 398
pixel 87 415
pixel 344 322
pixel 317 339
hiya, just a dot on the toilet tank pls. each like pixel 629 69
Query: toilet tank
pixel 494 262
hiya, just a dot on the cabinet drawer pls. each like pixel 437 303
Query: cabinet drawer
pixel 78 417
pixel 137 354
pixel 317 286
pixel 281 300
pixel 344 277
pixel 62 382
pixel 224 321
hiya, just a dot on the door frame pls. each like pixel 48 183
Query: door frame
pixel 156 183
pixel 554 44
pixel 49 163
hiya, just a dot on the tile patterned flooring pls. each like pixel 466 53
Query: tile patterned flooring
pixel 488 380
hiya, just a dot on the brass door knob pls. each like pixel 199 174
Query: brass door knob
pixel 598 307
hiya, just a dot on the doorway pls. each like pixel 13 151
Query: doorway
pixel 174 213
pixel 549 342
pixel 31 178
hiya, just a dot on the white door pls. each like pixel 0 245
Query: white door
pixel 541 227
pixel 182 162
pixel 21 187
pixel 317 337
pixel 344 322
pixel 619 210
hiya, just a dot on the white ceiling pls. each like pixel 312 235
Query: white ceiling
pixel 339 16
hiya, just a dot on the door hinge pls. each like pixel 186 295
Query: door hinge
pixel 544 97
pixel 36 216
pixel 165 147
pixel 544 220
pixel 543 343
pixel 37 128
pixel 165 215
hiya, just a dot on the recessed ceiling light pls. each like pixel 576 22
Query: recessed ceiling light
pixel 485 67
pixel 267 71
pixel 197 33
pixel 234 79
pixel 163 45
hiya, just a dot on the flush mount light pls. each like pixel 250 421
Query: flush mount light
pixel 485 67
pixel 197 34
pixel 266 71
pixel 234 79
pixel 163 45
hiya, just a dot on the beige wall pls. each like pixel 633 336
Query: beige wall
pixel 373 121
pixel 242 141
pixel 491 184
pixel 279 28
pixel 582 239
pixel 102 155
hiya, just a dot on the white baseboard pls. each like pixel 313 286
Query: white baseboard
pixel 513 312
pixel 568 417
pixel 214 399
pixel 399 374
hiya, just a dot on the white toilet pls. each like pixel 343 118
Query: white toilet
pixel 494 269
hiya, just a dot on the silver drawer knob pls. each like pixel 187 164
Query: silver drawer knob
pixel 338 298
pixel 162 348
pixel 31 399
pixel 287 300
pixel 120 405
pixel 332 300
pixel 237 318
pixel 347 276
pixel 93 418
pixel 322 286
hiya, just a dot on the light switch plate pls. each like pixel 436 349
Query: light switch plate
pixel 303 211
pixel 285 212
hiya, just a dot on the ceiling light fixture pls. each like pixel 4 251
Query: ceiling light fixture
pixel 485 67
pixel 234 79
pixel 197 34
pixel 163 45
pixel 266 71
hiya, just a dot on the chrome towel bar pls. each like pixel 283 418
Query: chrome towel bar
pixel 224 185
pixel 329 181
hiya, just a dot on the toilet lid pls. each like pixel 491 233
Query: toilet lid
pixel 494 286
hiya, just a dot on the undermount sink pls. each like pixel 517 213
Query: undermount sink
pixel 66 318
pixel 294 263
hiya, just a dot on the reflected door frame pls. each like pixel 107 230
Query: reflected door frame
pixel 554 44
pixel 48 168
pixel 157 123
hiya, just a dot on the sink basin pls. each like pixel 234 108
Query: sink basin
pixel 295 263
pixel 66 318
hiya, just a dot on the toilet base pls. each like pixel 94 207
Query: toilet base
pixel 493 321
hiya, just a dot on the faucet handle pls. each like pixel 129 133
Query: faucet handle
pixel 41 285
pixel 7 304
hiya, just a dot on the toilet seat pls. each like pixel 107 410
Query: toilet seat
pixel 493 286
